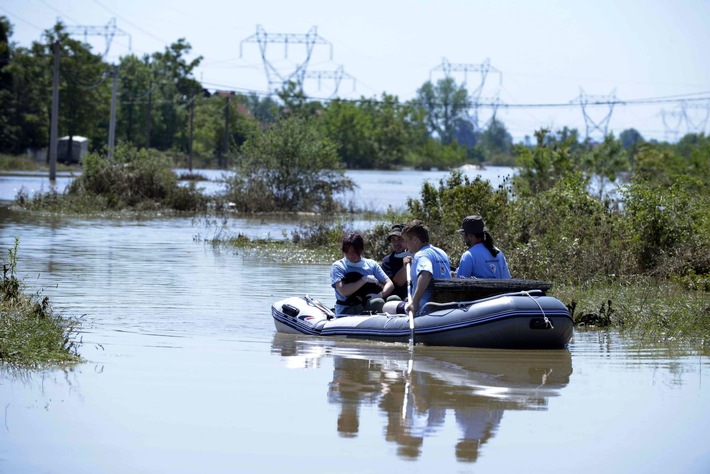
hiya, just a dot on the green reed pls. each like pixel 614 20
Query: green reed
pixel 31 333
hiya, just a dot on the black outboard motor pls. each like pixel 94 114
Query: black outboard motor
pixel 290 310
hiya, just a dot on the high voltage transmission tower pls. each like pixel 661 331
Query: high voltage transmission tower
pixel 585 101
pixel 108 31
pixel 337 76
pixel 275 77
pixel 694 115
pixel 672 121
pixel 476 95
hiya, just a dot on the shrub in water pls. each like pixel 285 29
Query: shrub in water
pixel 289 167
pixel 135 179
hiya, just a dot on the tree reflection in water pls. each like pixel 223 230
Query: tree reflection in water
pixel 477 385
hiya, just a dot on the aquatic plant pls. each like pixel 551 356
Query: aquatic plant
pixel 31 333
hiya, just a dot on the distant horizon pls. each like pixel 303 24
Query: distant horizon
pixel 632 65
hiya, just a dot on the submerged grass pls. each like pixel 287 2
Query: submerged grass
pixel 653 309
pixel 31 333
pixel 25 163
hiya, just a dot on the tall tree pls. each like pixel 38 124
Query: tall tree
pixel 605 161
pixel 543 166
pixel 372 133
pixel 630 138
pixel 174 93
pixel 265 109
pixel 496 140
pixel 296 101
pixel 350 128
pixel 445 105
pixel 24 107
pixel 8 129
pixel 136 87
pixel 288 167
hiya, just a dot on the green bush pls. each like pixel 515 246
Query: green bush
pixel 542 166
pixel 443 208
pixel 551 227
pixel 564 234
pixel 133 179
pixel 289 167
pixel 669 225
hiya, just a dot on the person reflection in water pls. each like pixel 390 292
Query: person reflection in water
pixel 415 405
pixel 477 426
pixel 360 283
pixel 443 385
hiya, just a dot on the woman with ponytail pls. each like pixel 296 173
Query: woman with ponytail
pixel 483 259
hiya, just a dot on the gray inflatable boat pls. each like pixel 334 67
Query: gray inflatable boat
pixel 525 319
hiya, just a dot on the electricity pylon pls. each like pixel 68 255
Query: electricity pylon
pixel 483 69
pixel 693 115
pixel 108 32
pixel 585 101
pixel 337 76
pixel 277 78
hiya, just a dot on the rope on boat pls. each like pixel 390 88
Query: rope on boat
pixel 460 304
pixel 548 323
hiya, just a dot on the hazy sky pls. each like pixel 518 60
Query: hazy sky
pixel 539 51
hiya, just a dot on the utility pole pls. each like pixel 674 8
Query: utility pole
pixel 108 32
pixel 112 121
pixel 54 120
pixel 192 117
pixel 148 117
pixel 227 101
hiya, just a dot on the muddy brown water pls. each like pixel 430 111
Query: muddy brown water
pixel 184 372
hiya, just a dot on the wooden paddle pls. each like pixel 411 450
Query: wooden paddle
pixel 411 313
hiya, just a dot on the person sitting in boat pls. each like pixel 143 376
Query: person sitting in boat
pixel 360 283
pixel 428 262
pixel 483 259
pixel 393 264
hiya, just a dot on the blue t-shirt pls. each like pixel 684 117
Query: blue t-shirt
pixel 433 260
pixel 343 266
pixel 478 262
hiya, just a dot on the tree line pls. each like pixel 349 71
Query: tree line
pixel 161 106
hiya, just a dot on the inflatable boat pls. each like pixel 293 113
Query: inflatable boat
pixel 492 316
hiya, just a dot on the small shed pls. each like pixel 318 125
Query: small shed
pixel 79 148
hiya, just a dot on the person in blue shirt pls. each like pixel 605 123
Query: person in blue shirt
pixel 482 259
pixel 360 284
pixel 428 262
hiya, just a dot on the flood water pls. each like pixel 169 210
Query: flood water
pixel 184 371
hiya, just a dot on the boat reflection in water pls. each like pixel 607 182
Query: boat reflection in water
pixel 419 390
